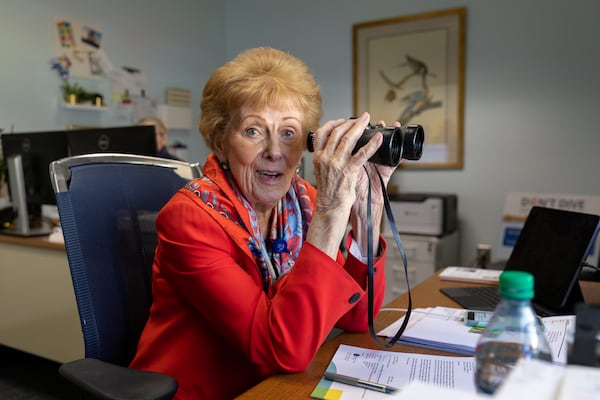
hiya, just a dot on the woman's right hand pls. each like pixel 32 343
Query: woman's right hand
pixel 336 171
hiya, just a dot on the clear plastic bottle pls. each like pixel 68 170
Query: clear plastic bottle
pixel 512 333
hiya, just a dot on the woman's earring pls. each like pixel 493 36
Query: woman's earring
pixel 300 168
pixel 224 165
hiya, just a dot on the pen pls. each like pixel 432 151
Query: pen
pixel 332 376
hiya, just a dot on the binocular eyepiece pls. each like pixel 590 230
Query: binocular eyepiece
pixel 405 142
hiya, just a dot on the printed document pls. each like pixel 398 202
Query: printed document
pixel 535 379
pixel 443 328
pixel 393 369
pixel 440 328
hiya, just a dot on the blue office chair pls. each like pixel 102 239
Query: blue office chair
pixel 107 205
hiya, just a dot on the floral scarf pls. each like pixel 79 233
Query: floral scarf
pixel 290 220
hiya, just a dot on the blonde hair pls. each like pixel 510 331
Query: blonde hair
pixel 262 76
pixel 161 128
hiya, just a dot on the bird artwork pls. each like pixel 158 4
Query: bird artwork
pixel 414 100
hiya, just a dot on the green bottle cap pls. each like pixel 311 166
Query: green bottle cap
pixel 516 285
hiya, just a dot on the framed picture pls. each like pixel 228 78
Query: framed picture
pixel 411 69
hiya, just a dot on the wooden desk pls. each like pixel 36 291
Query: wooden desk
pixel 38 312
pixel 36 242
pixel 427 294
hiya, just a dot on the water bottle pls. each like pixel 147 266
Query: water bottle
pixel 513 332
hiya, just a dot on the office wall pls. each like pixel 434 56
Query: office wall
pixel 176 43
pixel 531 93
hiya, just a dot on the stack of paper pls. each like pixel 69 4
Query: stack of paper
pixel 422 391
pixel 439 328
pixel 474 275
pixel 443 328
pixel 529 379
pixel 544 381
pixel 393 369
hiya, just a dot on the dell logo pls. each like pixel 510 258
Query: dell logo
pixel 26 145
pixel 103 142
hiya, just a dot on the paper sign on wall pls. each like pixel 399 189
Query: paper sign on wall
pixel 80 45
pixel 518 205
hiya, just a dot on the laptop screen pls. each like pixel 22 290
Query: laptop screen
pixel 552 245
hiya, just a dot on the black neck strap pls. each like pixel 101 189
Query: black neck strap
pixel 371 269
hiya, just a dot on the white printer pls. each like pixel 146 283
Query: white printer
pixel 432 214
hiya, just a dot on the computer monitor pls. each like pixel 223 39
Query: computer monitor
pixel 37 150
pixel 137 139
pixel 27 157
pixel 31 187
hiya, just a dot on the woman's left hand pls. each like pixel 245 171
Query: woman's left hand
pixel 371 169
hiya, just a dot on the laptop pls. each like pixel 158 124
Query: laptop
pixel 552 246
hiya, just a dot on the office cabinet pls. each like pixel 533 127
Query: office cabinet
pixel 425 256
pixel 37 302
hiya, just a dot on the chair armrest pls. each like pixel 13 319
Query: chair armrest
pixel 107 381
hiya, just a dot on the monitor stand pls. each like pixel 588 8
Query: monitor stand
pixel 16 184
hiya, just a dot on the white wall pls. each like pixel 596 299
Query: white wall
pixel 176 43
pixel 531 93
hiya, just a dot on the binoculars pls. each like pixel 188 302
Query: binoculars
pixel 405 142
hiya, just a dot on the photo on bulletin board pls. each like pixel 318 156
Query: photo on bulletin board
pixel 411 69
pixel 80 46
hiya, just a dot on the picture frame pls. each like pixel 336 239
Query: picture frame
pixel 411 69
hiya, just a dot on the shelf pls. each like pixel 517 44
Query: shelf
pixel 83 107
pixel 176 117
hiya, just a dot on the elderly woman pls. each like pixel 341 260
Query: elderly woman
pixel 248 276
pixel 161 136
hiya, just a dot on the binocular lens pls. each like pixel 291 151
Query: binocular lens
pixel 405 142
pixel 412 148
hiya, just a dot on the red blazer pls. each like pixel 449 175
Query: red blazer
pixel 213 327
